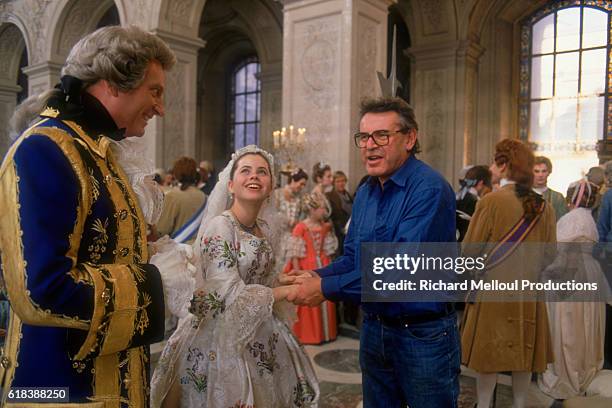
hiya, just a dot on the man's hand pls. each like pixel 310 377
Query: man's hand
pixel 308 292
pixel 295 276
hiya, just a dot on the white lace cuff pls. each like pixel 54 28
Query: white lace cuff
pixel 330 245
pixel 296 248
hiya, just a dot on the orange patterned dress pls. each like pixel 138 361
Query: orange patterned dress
pixel 313 248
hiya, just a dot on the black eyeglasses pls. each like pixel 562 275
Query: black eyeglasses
pixel 380 137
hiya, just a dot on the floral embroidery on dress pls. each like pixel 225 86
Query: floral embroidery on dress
pixel 246 351
pixel 267 359
pixel 195 373
pixel 204 303
pixel 256 273
pixel 303 393
pixel 225 252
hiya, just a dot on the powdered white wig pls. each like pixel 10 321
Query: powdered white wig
pixel 119 55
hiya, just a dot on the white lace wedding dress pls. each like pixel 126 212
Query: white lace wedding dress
pixel 234 349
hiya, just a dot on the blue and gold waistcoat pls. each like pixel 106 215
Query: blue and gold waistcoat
pixel 84 303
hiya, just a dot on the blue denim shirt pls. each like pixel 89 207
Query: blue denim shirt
pixel 416 205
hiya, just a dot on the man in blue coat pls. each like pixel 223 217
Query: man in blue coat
pixel 85 302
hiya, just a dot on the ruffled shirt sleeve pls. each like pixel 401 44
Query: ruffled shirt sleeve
pixel 330 243
pixel 296 246
pixel 241 308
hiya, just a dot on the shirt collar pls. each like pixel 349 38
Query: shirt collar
pixel 540 190
pixel 81 107
pixel 401 175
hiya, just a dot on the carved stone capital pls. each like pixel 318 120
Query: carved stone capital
pixel 42 68
pixel 189 45
pixel 8 91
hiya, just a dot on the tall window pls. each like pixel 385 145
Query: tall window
pixel 245 98
pixel 565 84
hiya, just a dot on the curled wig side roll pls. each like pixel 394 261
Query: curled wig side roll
pixel 119 55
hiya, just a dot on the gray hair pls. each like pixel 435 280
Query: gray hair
pixel 398 105
pixel 119 55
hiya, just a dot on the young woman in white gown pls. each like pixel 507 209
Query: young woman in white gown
pixel 577 327
pixel 234 349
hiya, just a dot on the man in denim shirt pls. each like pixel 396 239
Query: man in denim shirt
pixel 409 351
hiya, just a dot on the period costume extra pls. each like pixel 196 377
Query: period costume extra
pixel 235 348
pixel 85 304
pixel 507 336
pixel 313 249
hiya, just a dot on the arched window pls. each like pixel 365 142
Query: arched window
pixel 245 103
pixel 110 18
pixel 565 84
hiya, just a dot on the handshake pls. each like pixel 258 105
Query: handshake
pixel 299 287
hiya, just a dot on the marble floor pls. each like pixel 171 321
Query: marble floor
pixel 337 367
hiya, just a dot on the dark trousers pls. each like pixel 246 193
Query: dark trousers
pixel 416 365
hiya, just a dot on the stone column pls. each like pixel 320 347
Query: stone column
pixel 8 101
pixel 332 50
pixel 444 98
pixel 174 135
pixel 271 96
pixel 42 76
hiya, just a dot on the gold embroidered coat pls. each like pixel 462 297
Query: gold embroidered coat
pixel 85 305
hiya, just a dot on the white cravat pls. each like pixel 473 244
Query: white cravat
pixel 540 190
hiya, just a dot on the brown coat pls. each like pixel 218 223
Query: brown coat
pixel 179 207
pixel 508 336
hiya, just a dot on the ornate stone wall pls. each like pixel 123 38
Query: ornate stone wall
pixel 334 49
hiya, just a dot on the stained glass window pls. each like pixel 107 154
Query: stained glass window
pixel 565 84
pixel 245 109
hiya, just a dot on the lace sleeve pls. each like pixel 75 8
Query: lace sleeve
pixel 241 308
pixel 173 260
pixel 296 247
pixel 330 244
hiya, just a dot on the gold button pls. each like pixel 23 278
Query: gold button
pixel 122 215
pixel 124 251
pixel 106 296
pixel 5 362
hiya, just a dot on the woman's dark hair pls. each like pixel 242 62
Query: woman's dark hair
pixel 519 161
pixel 185 170
pixel 318 170
pixel 297 175
pixel 479 173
